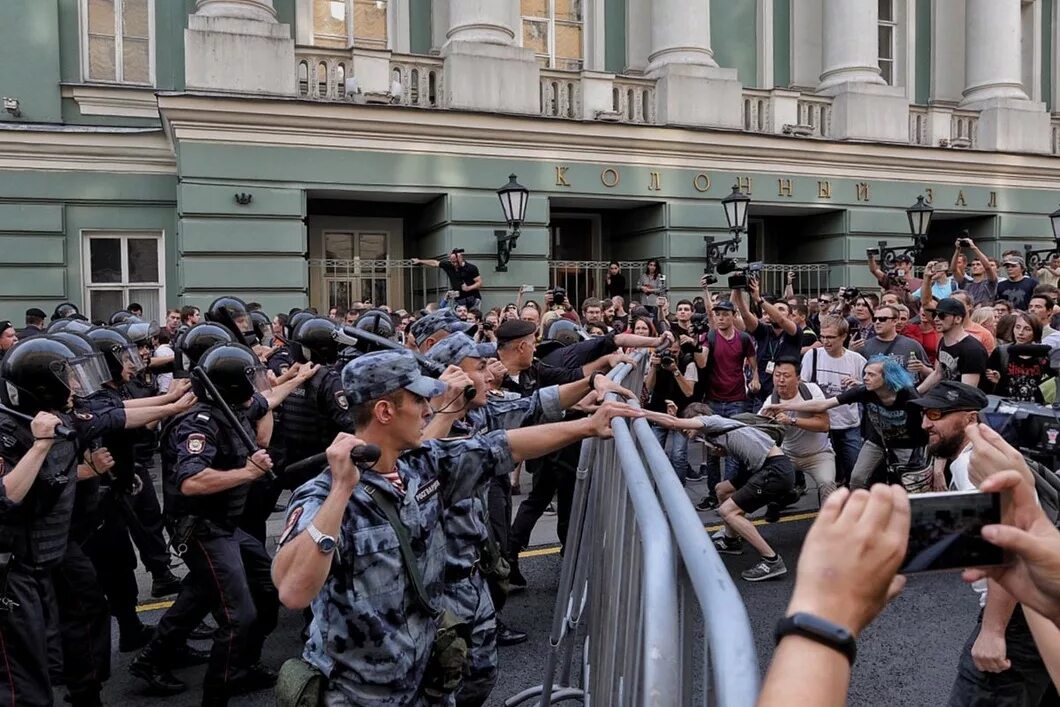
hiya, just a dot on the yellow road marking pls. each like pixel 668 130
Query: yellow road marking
pixel 536 552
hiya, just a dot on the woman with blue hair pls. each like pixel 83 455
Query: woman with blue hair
pixel 894 432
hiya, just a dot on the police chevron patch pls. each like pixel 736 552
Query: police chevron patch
pixel 196 443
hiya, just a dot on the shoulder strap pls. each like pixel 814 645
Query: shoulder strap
pixel 804 391
pixel 813 373
pixel 1002 358
pixel 386 504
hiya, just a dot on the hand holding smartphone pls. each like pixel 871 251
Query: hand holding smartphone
pixel 945 531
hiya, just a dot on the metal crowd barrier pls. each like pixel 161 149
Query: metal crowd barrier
pixel 638 571
pixel 810 280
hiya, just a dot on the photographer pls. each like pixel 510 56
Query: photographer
pixel 775 334
pixel 982 285
pixel 670 382
pixel 900 278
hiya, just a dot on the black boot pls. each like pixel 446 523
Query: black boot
pixel 516 580
pixel 186 656
pixel 164 584
pixel 134 637
pixel 256 677
pixel 148 667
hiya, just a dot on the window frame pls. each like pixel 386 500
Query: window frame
pixel 119 65
pixel 351 39
pixel 893 25
pixel 124 235
pixel 550 23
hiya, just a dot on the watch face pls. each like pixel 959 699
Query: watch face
pixel 326 544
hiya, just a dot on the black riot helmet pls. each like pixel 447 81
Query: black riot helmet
pixel 296 319
pixel 66 310
pixel 315 342
pixel 231 313
pixel 122 316
pixel 117 351
pixel 376 321
pixel 559 333
pixel 261 324
pixel 234 370
pixel 77 325
pixel 142 333
pixel 86 356
pixel 201 338
pixel 39 374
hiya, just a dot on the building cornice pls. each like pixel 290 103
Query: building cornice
pixel 130 152
pixel 120 101
pixel 393 129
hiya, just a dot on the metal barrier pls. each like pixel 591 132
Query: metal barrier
pixel 633 598
pixel 397 283
pixel 810 280
pixel 588 278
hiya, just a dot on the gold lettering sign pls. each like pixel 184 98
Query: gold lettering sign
pixel 785 187
pixel 744 183
pixel 961 201
pixel 824 190
pixel 929 195
pixel 656 182
pixel 701 182
pixel 610 177
pixel 863 191
pixel 993 200
pixel 561 177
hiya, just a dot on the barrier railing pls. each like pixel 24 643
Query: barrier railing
pixel 810 280
pixel 632 598
pixel 338 282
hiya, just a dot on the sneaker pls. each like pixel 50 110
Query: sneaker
pixel 728 546
pixel 550 510
pixel 709 503
pixel 765 570
pixel 697 474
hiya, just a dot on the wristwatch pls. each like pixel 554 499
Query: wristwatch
pixel 325 543
pixel 820 630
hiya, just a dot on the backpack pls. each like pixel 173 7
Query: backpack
pixel 700 391
pixel 774 430
pixel 804 390
pixel 1047 486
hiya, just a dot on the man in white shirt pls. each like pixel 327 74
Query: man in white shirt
pixel 1000 663
pixel 805 440
pixel 834 368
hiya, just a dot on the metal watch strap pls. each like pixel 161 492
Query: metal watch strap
pixel 819 630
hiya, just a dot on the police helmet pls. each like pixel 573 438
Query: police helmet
pixel 77 325
pixel 376 321
pixel 261 324
pixel 234 370
pixel 39 374
pixel 201 338
pixel 142 333
pixel 231 313
pixel 122 316
pixel 66 310
pixel 565 332
pixel 86 356
pixel 315 342
pixel 297 319
pixel 117 351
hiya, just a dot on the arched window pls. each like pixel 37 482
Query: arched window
pixel 554 30
pixel 340 24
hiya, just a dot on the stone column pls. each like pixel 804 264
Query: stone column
pixel 864 107
pixel 237 45
pixel 485 68
pixel 690 87
pixel 850 48
pixel 992 51
pixel 1008 120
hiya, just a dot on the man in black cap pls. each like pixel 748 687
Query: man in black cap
pixel 34 323
pixel 961 357
pixel 464 277
pixel 8 337
pixel 1000 663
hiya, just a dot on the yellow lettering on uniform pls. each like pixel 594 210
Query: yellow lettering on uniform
pixel 656 182
pixel 961 201
pixel 610 177
pixel 561 177
pixel 701 183
pixel 863 191
pixel 824 190
pixel 785 187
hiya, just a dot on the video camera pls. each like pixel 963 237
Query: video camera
pixel 1031 428
pixel 739 277
pixel 700 324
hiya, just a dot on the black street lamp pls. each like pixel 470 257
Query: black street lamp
pixel 735 205
pixel 514 198
pixel 1035 259
pixel 919 215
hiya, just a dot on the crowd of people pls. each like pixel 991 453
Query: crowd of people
pixel 401 437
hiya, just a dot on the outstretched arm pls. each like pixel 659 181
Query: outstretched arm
pixel 425 261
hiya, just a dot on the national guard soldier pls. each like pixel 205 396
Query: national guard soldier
pixel 228 570
pixel 378 633
pixel 429 330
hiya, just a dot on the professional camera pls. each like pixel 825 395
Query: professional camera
pixel 700 324
pixel 850 294
pixel 559 296
pixel 1031 428
pixel 487 326
pixel 666 361
pixel 708 280
pixel 739 277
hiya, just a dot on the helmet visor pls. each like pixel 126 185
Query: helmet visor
pixel 80 375
pixel 259 378
pixel 130 356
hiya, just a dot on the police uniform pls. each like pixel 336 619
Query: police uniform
pixel 441 320
pixel 369 634
pixel 35 532
pixel 280 360
pixel 229 571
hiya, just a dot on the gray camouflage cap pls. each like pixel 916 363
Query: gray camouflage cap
pixel 380 373
pixel 436 321
pixel 454 348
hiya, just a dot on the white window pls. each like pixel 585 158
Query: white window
pixel 122 268
pixel 554 29
pixel 888 34
pixel 355 268
pixel 117 41
pixel 340 24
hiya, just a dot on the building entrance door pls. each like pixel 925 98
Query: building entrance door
pixel 355 260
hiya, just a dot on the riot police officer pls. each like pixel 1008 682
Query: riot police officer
pixel 228 569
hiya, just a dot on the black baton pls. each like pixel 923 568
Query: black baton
pixel 244 436
pixel 362 454
pixel 60 430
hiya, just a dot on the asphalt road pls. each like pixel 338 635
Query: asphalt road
pixel 907 657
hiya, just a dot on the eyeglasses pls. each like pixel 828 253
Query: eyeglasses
pixel 825 337
pixel 882 319
pixel 935 415
pixel 1011 265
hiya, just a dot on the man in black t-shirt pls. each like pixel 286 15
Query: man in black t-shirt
pixel 464 277
pixel 961 357
pixel 776 334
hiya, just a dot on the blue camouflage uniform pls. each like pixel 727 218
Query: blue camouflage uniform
pixel 369 635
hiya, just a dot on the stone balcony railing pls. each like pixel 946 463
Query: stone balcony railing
pixel 595 96
pixel 785 112
pixel 374 76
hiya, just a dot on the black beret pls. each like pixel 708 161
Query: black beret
pixel 514 329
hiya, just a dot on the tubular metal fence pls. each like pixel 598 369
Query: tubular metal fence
pixel 638 573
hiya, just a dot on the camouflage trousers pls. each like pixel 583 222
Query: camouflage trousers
pixel 469 599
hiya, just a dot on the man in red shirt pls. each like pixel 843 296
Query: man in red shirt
pixel 923 330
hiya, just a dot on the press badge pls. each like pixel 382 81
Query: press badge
pixel 769 367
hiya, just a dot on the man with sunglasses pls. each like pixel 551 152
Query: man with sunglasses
pixel 961 356
pixel 888 342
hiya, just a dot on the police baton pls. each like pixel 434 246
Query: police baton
pixel 351 337
pixel 361 455
pixel 233 422
pixel 61 431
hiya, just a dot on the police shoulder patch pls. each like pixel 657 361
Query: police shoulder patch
pixel 196 443
pixel 340 400
pixel 292 520
pixel 8 440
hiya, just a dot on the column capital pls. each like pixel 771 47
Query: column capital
pixel 260 10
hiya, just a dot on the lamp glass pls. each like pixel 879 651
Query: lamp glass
pixel 514 198
pixel 735 206
pixel 919 217
pixel 1054 218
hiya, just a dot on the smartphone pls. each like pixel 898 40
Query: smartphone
pixel 528 288
pixel 945 531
